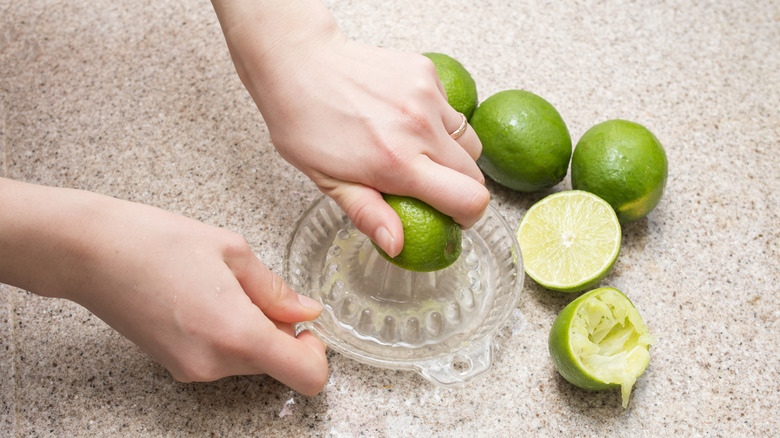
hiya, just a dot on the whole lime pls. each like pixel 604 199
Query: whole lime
pixel 525 143
pixel 457 81
pixel 432 240
pixel 623 163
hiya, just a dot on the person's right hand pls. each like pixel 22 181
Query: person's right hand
pixel 358 120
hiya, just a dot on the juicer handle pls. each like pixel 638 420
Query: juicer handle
pixel 459 367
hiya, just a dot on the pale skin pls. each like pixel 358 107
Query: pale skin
pixel 358 120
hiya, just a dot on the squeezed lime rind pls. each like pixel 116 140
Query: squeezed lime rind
pixel 600 341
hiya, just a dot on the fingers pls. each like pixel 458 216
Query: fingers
pixel 302 364
pixel 459 158
pixel 298 362
pixel 453 120
pixel 446 189
pixel 370 214
pixel 470 143
pixel 449 191
pixel 448 178
pixel 270 293
pixel 266 339
pixel 468 140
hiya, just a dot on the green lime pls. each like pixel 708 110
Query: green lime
pixel 458 84
pixel 432 240
pixel 569 241
pixel 623 163
pixel 599 341
pixel 525 143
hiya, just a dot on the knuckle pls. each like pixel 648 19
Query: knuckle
pixel 235 245
pixel 414 119
pixel 194 369
pixel 395 159
pixel 392 163
pixel 277 289
pixel 427 67
pixel 361 216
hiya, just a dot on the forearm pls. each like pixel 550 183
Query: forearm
pixel 267 38
pixel 44 231
pixel 273 19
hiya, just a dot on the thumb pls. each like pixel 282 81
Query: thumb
pixel 271 294
pixel 371 215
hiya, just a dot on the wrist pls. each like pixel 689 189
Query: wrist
pixel 44 235
pixel 270 40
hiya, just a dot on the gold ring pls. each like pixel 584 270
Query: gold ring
pixel 461 129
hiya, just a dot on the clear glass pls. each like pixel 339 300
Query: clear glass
pixel 440 324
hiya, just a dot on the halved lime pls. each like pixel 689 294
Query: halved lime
pixel 599 341
pixel 432 240
pixel 569 240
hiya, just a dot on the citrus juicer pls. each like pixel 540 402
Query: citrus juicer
pixel 440 324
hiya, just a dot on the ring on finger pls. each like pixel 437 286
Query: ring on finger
pixel 461 129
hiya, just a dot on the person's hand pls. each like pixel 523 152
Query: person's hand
pixel 193 296
pixel 358 120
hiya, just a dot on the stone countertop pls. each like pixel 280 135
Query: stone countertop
pixel 139 100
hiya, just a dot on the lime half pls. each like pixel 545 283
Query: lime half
pixel 432 240
pixel 569 241
pixel 599 341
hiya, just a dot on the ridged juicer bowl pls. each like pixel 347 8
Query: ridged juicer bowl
pixel 440 324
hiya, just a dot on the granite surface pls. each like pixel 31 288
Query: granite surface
pixel 139 100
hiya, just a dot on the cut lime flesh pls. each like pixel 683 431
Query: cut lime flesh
pixel 569 240
pixel 600 341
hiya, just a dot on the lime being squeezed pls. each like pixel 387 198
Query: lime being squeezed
pixel 432 240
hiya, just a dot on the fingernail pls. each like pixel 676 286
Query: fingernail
pixel 386 241
pixel 309 303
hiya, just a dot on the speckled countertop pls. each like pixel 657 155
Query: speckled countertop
pixel 139 100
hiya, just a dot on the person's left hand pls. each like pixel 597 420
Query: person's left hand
pixel 194 296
